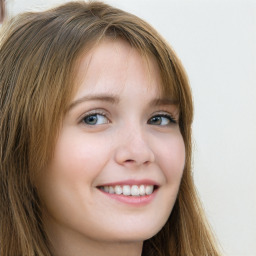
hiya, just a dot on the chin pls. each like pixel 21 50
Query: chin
pixel 136 234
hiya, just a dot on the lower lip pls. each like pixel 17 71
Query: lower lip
pixel 132 200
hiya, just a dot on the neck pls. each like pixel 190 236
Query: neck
pixel 92 248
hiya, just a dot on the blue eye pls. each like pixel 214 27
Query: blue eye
pixel 162 120
pixel 95 119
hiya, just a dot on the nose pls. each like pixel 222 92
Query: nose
pixel 133 149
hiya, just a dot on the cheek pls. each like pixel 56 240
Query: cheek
pixel 80 157
pixel 76 163
pixel 70 176
pixel 171 155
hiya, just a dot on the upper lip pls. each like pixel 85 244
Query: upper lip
pixel 130 182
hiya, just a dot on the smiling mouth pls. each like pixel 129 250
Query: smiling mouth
pixel 129 190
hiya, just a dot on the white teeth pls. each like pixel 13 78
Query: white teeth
pixel 127 190
pixel 118 190
pixel 111 190
pixel 135 191
pixel 106 188
pixel 149 190
pixel 142 190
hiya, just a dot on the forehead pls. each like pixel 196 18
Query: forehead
pixel 114 65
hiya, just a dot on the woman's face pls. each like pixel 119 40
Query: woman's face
pixel 119 156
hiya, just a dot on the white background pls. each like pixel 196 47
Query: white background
pixel 216 41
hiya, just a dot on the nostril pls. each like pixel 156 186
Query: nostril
pixel 130 155
pixel 129 161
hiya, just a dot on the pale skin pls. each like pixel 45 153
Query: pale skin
pixel 118 129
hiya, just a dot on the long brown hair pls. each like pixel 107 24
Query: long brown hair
pixel 2 10
pixel 38 55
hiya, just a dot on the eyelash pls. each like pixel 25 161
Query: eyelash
pixel 94 113
pixel 165 115
pixel 101 113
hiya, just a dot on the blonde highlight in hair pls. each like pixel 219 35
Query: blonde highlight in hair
pixel 38 57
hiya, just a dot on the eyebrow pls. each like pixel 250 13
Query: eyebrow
pixel 163 102
pixel 114 99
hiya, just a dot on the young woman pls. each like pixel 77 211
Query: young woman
pixel 95 136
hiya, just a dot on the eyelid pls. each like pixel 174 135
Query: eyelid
pixel 163 113
pixel 94 112
pixel 170 121
pixel 166 114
